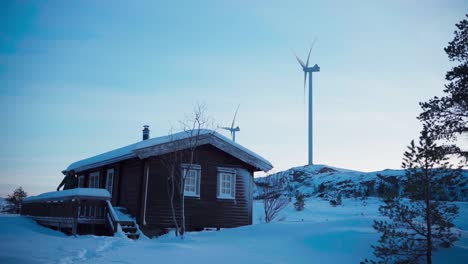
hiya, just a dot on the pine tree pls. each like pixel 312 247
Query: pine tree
pixel 448 115
pixel 419 226
pixel 16 199
pixel 299 204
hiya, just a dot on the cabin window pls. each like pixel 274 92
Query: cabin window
pixel 110 180
pixel 94 180
pixel 226 187
pixel 192 173
pixel 81 183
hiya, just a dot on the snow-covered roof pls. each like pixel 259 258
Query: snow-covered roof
pixel 100 194
pixel 154 147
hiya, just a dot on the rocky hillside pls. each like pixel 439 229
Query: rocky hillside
pixel 328 182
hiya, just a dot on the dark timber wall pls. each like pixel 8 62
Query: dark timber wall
pixel 206 211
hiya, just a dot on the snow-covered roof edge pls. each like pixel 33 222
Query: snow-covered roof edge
pixel 98 194
pixel 131 151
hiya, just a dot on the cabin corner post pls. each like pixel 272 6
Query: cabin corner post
pixel 250 196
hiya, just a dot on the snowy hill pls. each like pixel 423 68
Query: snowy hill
pixel 327 181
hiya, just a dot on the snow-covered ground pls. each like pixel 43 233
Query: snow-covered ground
pixel 319 234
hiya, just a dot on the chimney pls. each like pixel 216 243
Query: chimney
pixel 146 132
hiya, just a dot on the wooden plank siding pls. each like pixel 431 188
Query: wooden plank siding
pixel 130 175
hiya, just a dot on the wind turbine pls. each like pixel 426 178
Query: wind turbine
pixel 308 71
pixel 233 129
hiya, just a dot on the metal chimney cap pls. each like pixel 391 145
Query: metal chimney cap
pixel 146 132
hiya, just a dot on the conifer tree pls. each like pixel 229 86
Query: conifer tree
pixel 447 116
pixel 423 223
pixel 16 198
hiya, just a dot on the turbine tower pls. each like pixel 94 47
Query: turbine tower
pixel 233 129
pixel 308 71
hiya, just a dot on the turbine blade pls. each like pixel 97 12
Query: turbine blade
pixel 299 60
pixel 234 119
pixel 308 57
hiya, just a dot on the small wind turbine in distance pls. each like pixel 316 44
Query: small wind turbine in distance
pixel 308 71
pixel 233 129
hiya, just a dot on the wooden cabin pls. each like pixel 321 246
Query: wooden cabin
pixel 218 183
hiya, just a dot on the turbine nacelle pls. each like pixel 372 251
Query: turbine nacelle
pixel 315 68
pixel 233 129
pixel 305 66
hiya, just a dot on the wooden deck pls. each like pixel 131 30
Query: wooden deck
pixel 73 209
pixel 79 211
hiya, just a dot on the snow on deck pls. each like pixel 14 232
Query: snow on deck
pixel 122 216
pixel 128 151
pixel 319 234
pixel 68 194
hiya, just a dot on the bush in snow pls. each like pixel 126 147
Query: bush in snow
pixel 299 204
pixel 321 188
pixel 15 199
pixel 299 176
pixel 369 188
pixel 337 200
pixel 357 193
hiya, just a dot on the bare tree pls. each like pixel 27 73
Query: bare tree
pixel 271 192
pixel 171 161
pixel 183 151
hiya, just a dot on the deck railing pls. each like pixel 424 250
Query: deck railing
pixel 70 208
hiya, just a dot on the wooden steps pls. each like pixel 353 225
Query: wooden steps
pixel 130 229
pixel 128 225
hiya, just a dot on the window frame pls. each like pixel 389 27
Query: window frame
pixel 92 181
pixel 110 172
pixel 81 181
pixel 222 171
pixel 197 169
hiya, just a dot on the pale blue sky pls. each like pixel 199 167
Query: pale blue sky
pixel 81 78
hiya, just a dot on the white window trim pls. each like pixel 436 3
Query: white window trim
pixel 92 175
pixel 233 183
pixel 110 171
pixel 197 169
